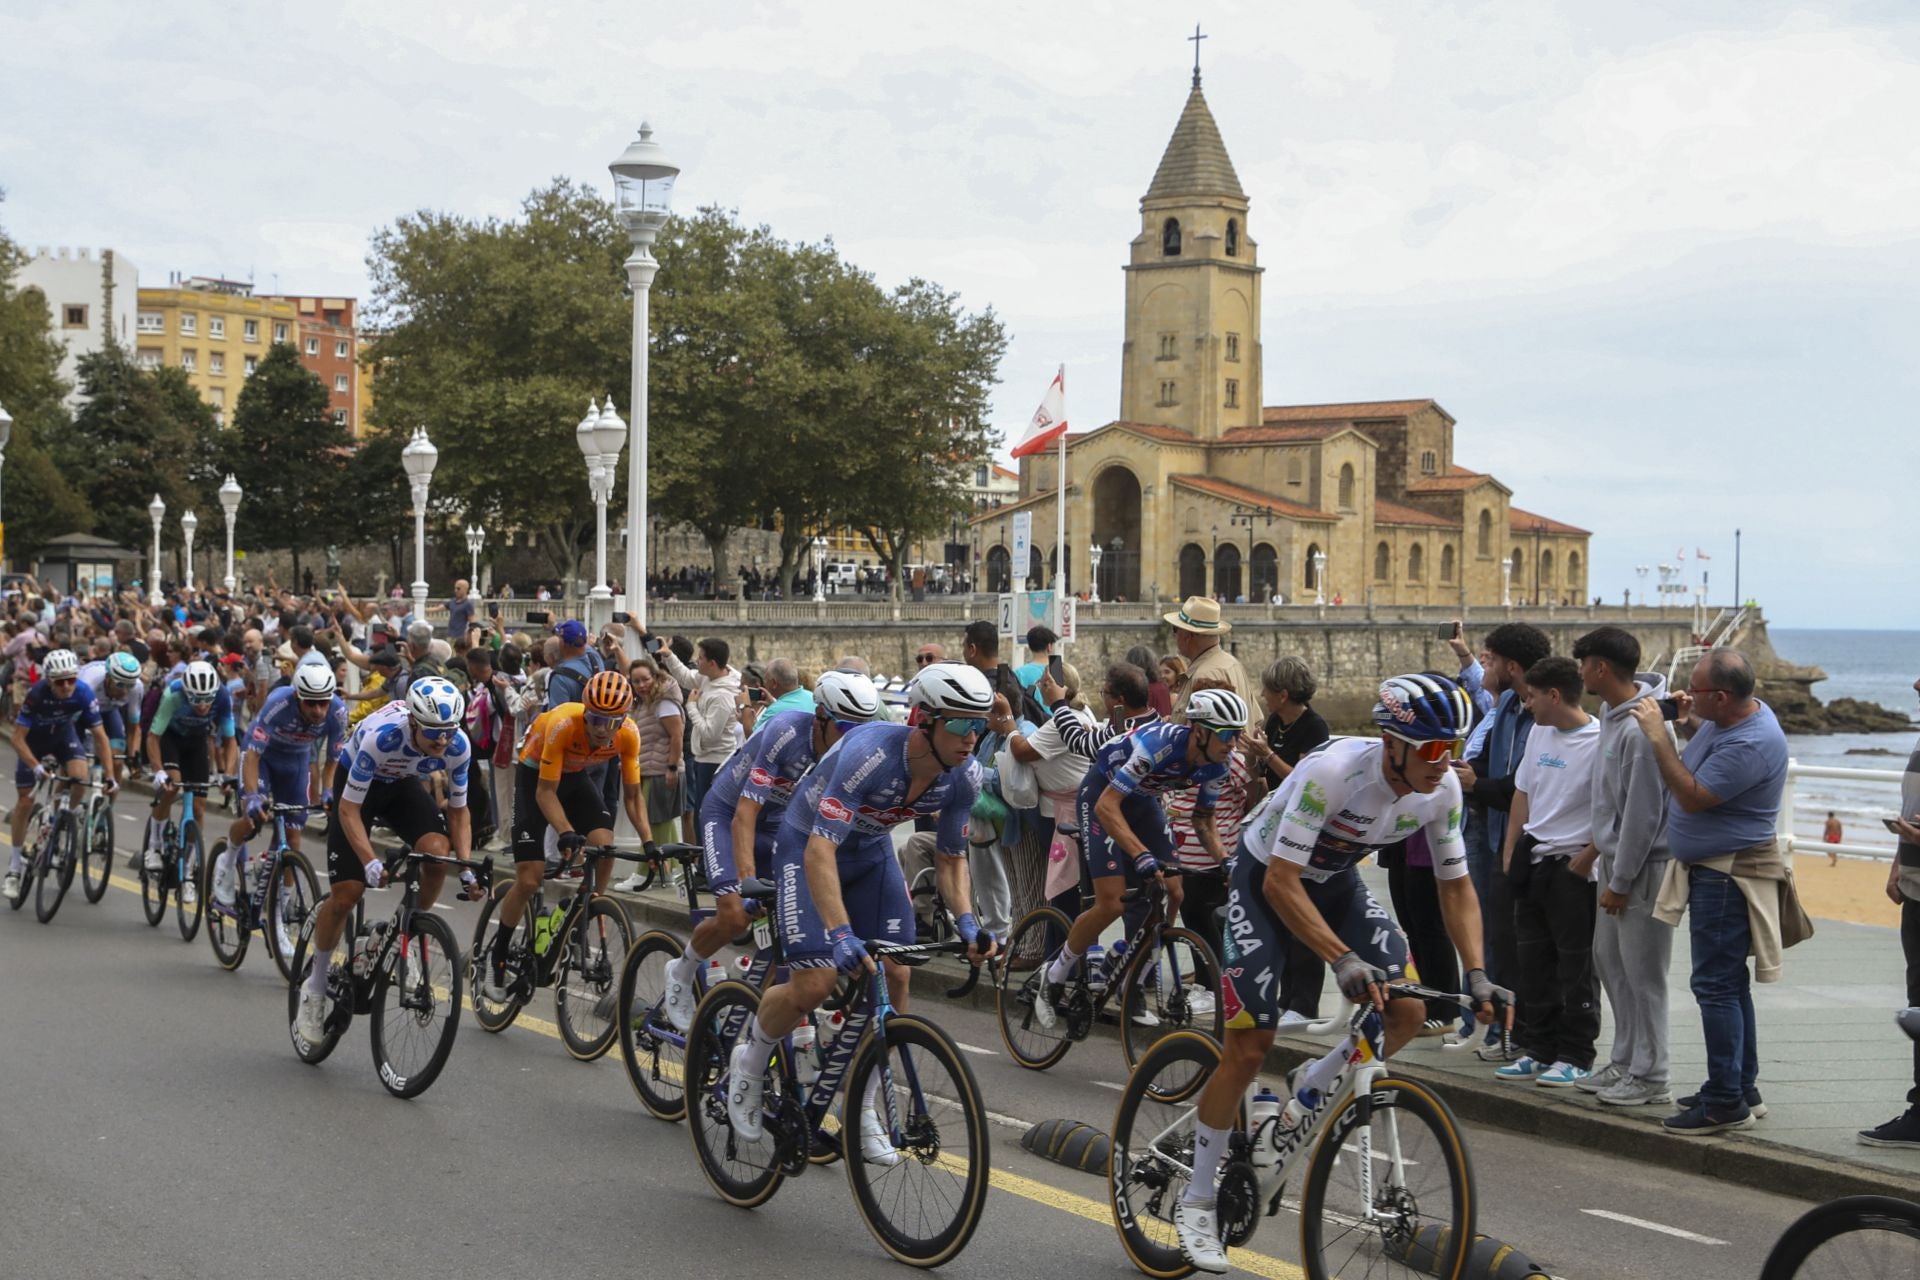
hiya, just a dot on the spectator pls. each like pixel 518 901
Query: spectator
pixel 305 654
pixel 987 858
pixel 981 651
pixel 657 714
pixel 1721 819
pixel 421 660
pixel 1630 948
pixel 573 666
pixel 486 724
pixel 1159 695
pixel 1197 628
pixel 1833 834
pixel 712 729
pixel 1903 886
pixel 1173 673
pixel 929 653
pixel 1293 728
pixel 459 609
pixel 781 683
pixel 1040 646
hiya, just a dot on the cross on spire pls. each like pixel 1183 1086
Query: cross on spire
pixel 1196 38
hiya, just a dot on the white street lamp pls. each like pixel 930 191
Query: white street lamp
pixel 418 458
pixel 1093 554
pixel 1319 577
pixel 230 503
pixel 819 569
pixel 599 436
pixel 1506 583
pixel 476 539
pixel 158 510
pixel 188 523
pixel 643 179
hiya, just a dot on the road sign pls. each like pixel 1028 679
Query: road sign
pixel 1067 620
pixel 1005 613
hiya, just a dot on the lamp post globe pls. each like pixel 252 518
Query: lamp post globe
pixel 230 504
pixel 1319 577
pixel 188 523
pixel 476 539
pixel 418 458
pixel 158 510
pixel 1093 559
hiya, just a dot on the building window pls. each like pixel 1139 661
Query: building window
pixel 217 396
pixel 1573 571
pixel 1429 463
pixel 1446 563
pixel 151 322
pixel 1233 237
pixel 1169 346
pixel 187 359
pixel 253 363
pixel 340 383
pixel 1416 563
pixel 220 418
pixel 189 322
pixel 1312 579
pixel 1382 562
pixel 980 476
pixel 75 315
pixel 313 346
pixel 1296 469
pixel 1346 488
pixel 1233 393
pixel 1233 346
pixel 339 417
pixel 1170 238
pixel 1483 541
pixel 216 326
pixel 339 351
pixel 148 358
pixel 279 332
pixel 250 331
pixel 1168 388
pixel 216 362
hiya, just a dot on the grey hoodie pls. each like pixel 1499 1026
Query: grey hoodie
pixel 1629 797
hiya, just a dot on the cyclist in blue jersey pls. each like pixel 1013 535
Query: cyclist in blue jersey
pixel 740 817
pixel 48 724
pixel 299 728
pixel 838 882
pixel 1295 876
pixel 1124 837
pixel 194 713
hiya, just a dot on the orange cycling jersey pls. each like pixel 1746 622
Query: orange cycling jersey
pixel 557 742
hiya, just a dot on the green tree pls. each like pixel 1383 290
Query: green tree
pixel 39 503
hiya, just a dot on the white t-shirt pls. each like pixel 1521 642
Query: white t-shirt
pixel 1058 769
pixel 1557 775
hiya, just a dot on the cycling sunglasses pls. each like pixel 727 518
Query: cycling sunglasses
pixel 596 720
pixel 1435 752
pixel 961 728
pixel 63 680
pixel 439 735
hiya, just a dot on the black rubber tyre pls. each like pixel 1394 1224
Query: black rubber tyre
pixel 1182 951
pixel 96 862
pixel 339 990
pixel 227 934
pixel 654 1053
pixel 294 898
pixel 193 871
pixel 1855 1236
pixel 1339 1236
pixel 1028 1043
pixel 153 884
pixel 415 1014
pixel 1142 1189
pixel 586 983
pixel 494 1015
pixel 30 858
pixel 56 871
pixel 944 1166
pixel 744 1173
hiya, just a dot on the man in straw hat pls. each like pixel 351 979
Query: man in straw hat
pixel 1197 628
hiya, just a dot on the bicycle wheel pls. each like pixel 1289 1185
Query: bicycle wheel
pixel 294 897
pixel 924 1207
pixel 1175 983
pixel 56 866
pixel 1028 1043
pixel 193 868
pixel 96 864
pixel 1389 1191
pixel 587 985
pixel 227 930
pixel 1856 1236
pixel 654 1053
pixel 1152 1155
pixel 416 1008
pixel 496 1015
pixel 339 993
pixel 29 857
pixel 744 1173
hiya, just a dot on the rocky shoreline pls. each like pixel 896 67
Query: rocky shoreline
pixel 1800 712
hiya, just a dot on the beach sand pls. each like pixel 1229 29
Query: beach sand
pixel 1855 890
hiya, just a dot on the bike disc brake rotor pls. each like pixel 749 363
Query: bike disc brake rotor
pixel 1398 1215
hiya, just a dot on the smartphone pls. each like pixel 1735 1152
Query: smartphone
pixel 493 609
pixel 539 617
pixel 1449 631
pixel 1892 826
pixel 622 617
pixel 1057 669
pixel 756 695
pixel 653 644
pixel 1669 708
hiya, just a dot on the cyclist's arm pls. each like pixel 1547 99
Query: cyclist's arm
pixel 1288 896
pixel 20 728
pixel 746 817
pixel 249 771
pixel 355 831
pixel 460 831
pixel 1114 822
pixel 1460 908
pixel 103 751
pixel 822 861
pixel 1459 904
pixel 229 753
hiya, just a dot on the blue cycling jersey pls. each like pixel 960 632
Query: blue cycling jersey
pixel 177 715
pixel 46 711
pixel 768 766
pixel 1152 760
pixel 280 729
pixel 859 790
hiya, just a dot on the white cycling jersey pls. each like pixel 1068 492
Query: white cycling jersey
pixel 382 749
pixel 1336 807
pixel 94 676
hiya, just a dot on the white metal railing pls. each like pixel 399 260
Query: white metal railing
pixel 1783 825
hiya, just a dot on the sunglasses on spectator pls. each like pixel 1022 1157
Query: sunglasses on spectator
pixel 596 720
pixel 922 659
pixel 1434 752
pixel 439 735
pixel 961 728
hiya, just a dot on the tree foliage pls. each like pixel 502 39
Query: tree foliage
pixel 39 503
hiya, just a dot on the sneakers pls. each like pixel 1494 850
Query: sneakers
pixel 1754 1104
pixel 1291 1020
pixel 311 1024
pixel 189 894
pixel 224 883
pixel 875 1146
pixel 1699 1120
pixel 1199 1229
pixel 10 887
pixel 1200 1002
pixel 1144 1016
pixel 633 884
pixel 1044 995
pixel 1901 1131
pixel 1633 1092
pixel 1434 1027
pixel 1492 1052
pixel 1522 1070
pixel 1605 1078
pixel 746 1087
pixel 1562 1075
pixel 681 997
pixel 153 861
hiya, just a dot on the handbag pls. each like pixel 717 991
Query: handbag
pixel 663 799
pixel 1019 784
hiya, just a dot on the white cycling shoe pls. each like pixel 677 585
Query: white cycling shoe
pixel 154 861
pixel 225 881
pixel 875 1146
pixel 311 1024
pixel 10 887
pixel 681 997
pixel 746 1088
pixel 1199 1229
pixel 1043 1011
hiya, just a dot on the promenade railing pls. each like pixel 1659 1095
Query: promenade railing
pixel 1789 796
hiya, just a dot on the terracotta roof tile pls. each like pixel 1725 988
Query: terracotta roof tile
pixel 1155 430
pixel 1303 433
pixel 1459 482
pixel 1385 512
pixel 1342 412
pixel 1523 522
pixel 1250 497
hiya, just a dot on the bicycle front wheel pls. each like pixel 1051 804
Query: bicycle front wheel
pixel 294 897
pixel 587 986
pixel 1173 985
pixel 415 1009
pixel 1389 1191
pixel 745 1173
pixel 653 1051
pixel 96 866
pixel 1151 1162
pixel 1852 1238
pixel 227 928
pixel 56 867
pixel 1023 980
pixel 924 1204
pixel 29 858
pixel 339 993
pixel 193 874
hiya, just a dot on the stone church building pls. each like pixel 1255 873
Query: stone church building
pixel 1201 488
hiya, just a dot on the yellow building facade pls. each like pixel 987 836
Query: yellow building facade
pixel 215 331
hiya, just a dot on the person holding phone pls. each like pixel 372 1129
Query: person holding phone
pixel 780 690
pixel 1903 886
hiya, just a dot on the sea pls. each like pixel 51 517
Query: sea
pixel 1875 666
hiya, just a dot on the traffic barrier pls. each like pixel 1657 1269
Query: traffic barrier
pixel 1071 1143
pixel 1488 1259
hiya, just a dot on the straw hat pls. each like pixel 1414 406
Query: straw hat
pixel 1201 616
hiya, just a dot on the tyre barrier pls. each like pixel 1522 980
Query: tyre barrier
pixel 1488 1259
pixel 1071 1143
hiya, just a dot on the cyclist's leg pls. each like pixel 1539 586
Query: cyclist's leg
pixel 414 816
pixel 1364 925
pixel 809 953
pixel 717 856
pixel 1111 872
pixel 346 880
pixel 582 796
pixel 37 744
pixel 529 856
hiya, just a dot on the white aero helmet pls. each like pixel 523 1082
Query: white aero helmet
pixel 313 683
pixel 123 667
pixel 843 695
pixel 435 702
pixel 61 664
pixel 201 681
pixel 1217 709
pixel 951 689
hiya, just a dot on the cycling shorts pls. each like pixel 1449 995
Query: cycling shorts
pixel 716 844
pixel 580 799
pixel 285 777
pixel 871 887
pixel 189 753
pixel 1146 819
pixel 1254 954
pixel 62 743
pixel 116 726
pixel 404 805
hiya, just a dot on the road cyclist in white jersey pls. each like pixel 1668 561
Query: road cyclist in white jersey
pixel 1295 877
pixel 118 688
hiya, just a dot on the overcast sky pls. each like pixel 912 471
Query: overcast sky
pixel 1659 260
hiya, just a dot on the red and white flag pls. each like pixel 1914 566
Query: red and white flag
pixel 1698 554
pixel 1049 420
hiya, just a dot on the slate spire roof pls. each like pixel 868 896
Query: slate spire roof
pixel 1195 162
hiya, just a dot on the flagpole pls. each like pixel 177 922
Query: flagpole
pixel 1060 524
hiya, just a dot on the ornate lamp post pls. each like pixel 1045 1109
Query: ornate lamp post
pixel 476 539
pixel 1093 557
pixel 1506 583
pixel 1115 546
pixel 418 458
pixel 230 503
pixel 158 510
pixel 819 568
pixel 188 523
pixel 1319 577
pixel 643 180
pixel 599 436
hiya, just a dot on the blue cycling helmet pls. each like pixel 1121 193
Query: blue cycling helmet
pixel 434 702
pixel 1423 708
pixel 123 667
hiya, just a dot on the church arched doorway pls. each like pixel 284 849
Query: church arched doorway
pixel 1264 574
pixel 999 570
pixel 1193 570
pixel 1116 528
pixel 1036 570
pixel 1312 576
pixel 1226 572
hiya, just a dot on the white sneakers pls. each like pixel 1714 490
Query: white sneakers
pixel 224 883
pixel 153 859
pixel 311 1025
pixel 681 997
pixel 11 885
pixel 875 1146
pixel 633 884
pixel 746 1087
pixel 1199 1229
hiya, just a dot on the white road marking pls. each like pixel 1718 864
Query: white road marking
pixel 1645 1225
pixel 1108 1084
pixel 974 1048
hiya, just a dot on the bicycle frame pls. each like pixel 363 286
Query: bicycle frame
pixel 767 966
pixel 275 850
pixel 407 875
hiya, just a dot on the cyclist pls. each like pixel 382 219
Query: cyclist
pixel 47 724
pixel 194 712
pixel 558 787
pixel 283 762
pixel 117 686
pixel 740 817
pixel 381 776
pixel 1125 836
pixel 1295 876
pixel 839 883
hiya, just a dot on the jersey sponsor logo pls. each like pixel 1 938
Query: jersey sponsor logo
pixel 1405 822
pixel 760 777
pixel 1246 939
pixel 1395 705
pixel 1358 819
pixel 389 737
pixel 832 810
pixel 1336 824
pixel 1312 805
pixel 873 761
pixel 1231 1008
pixel 1453 819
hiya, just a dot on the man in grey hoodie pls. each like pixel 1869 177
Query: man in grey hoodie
pixel 1630 948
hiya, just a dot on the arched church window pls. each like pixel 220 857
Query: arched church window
pixel 1446 563
pixel 1484 545
pixel 1170 238
pixel 1346 489
pixel 1382 562
pixel 1416 564
pixel 1429 463
pixel 1233 237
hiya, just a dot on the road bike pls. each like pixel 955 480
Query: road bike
pixel 577 947
pixel 1388 1188
pixel 404 972
pixel 96 835
pixel 1163 977
pixel 50 848
pixel 924 1206
pixel 274 892
pixel 182 857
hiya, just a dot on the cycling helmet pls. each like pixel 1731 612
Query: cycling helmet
pixel 123 667
pixel 61 664
pixel 1423 708
pixel 434 702
pixel 846 696
pixel 313 683
pixel 607 694
pixel 1217 709
pixel 951 689
pixel 200 682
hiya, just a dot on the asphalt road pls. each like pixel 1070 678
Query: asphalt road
pixel 157 1124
